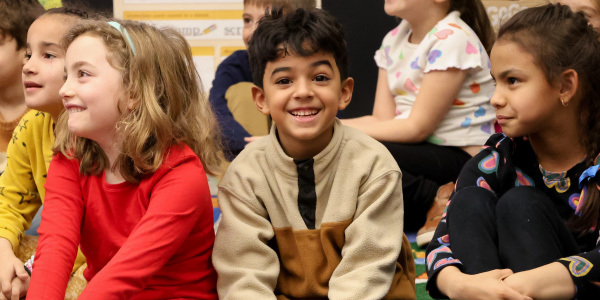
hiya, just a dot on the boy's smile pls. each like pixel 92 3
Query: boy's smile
pixel 303 96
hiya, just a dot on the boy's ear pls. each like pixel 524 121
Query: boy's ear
pixel 258 95
pixel 569 83
pixel 346 95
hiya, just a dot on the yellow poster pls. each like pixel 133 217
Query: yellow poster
pixel 195 24
pixel 48 4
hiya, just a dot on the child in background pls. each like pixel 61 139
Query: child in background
pixel 30 151
pixel 15 18
pixel 314 210
pixel 529 202
pixel 128 178
pixel 432 107
pixel 590 8
pixel 231 95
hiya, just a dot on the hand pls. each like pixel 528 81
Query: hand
pixel 487 285
pixel 551 281
pixel 19 289
pixel 12 272
pixel 251 139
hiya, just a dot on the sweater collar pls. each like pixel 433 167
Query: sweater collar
pixel 284 164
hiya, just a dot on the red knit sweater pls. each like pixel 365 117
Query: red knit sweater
pixel 151 240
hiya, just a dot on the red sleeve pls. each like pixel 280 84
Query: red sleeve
pixel 178 199
pixel 59 232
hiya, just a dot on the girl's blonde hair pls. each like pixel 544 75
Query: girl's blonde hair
pixel 168 106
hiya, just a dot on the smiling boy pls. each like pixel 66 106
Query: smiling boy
pixel 315 209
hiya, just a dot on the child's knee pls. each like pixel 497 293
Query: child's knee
pixel 470 202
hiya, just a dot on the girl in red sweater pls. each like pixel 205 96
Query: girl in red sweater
pixel 128 181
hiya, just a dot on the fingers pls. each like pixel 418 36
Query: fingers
pixel 510 294
pixel 5 280
pixel 19 288
pixel 20 271
pixel 12 286
pixel 496 274
pixel 505 273
pixel 16 289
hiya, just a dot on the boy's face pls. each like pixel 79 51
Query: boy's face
pixel 303 96
pixel 11 62
pixel 252 14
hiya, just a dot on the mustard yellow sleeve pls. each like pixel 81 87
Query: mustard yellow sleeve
pixel 19 196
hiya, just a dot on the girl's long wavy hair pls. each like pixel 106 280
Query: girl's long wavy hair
pixel 560 39
pixel 168 106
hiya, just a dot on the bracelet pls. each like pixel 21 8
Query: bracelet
pixel 29 265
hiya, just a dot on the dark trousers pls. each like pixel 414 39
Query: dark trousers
pixel 521 230
pixel 424 168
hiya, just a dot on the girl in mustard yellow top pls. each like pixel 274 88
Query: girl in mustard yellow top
pixel 30 149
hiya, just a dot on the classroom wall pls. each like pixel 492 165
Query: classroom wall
pixel 212 27
pixel 214 30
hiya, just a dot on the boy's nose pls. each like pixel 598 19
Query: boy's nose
pixel 303 89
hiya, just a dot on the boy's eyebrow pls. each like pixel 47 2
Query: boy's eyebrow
pixel 280 69
pixel 315 64
pixel 321 62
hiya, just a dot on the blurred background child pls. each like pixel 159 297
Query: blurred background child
pixel 590 8
pixel 432 107
pixel 15 18
pixel 128 180
pixel 231 96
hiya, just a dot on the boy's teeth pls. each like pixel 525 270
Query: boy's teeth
pixel 302 113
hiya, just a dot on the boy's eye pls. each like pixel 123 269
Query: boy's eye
pixel 321 78
pixel 283 81
pixel 27 56
pixel 247 20
pixel 82 74
pixel 49 55
pixel 65 77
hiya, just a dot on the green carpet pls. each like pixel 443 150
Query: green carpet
pixel 419 255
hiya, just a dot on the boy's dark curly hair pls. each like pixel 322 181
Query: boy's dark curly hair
pixel 303 33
